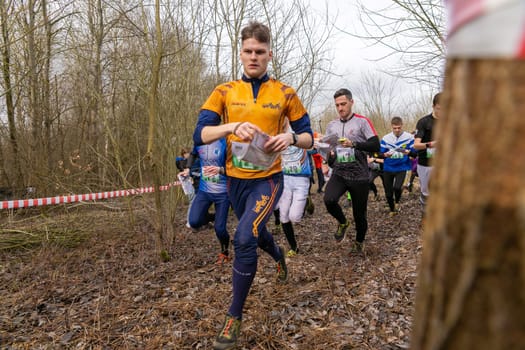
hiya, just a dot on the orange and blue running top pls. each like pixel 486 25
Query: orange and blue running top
pixel 265 102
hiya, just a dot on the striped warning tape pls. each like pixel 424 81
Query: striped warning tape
pixel 486 28
pixel 37 202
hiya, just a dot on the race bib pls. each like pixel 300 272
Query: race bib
pixel 397 155
pixel 291 160
pixel 242 164
pixel 292 167
pixel 345 155
pixel 213 179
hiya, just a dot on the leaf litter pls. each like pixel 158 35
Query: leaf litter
pixel 112 291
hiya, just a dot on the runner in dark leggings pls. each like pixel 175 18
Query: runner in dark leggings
pixel 212 190
pixel 375 164
pixel 357 136
pixel 251 113
pixel 396 148
pixel 425 143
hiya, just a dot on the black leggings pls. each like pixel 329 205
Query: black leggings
pixel 393 184
pixel 320 179
pixel 335 188
pixel 373 175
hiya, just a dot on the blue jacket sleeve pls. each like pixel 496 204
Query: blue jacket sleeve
pixel 303 125
pixel 206 118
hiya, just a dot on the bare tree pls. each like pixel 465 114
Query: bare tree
pixel 93 73
pixel 378 98
pixel 233 13
pixel 299 41
pixel 301 46
pixel 6 12
pixel 47 112
pixel 328 114
pixel 39 38
pixel 413 32
pixel 155 160
pixel 83 93
pixel 34 103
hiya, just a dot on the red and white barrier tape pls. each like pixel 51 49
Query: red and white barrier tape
pixel 37 202
pixel 486 28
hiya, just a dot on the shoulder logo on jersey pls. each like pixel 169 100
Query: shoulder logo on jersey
pixel 289 96
pixel 241 104
pixel 284 87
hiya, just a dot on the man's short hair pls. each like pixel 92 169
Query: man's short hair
pixel 256 30
pixel 396 121
pixel 343 92
pixel 436 99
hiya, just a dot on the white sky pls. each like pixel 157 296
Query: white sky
pixel 352 56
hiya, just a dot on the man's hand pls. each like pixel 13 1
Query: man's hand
pixel 346 142
pixel 210 170
pixel 245 130
pixel 278 142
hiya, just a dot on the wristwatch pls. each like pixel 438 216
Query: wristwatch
pixel 295 138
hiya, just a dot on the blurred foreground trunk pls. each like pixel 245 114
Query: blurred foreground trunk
pixel 471 282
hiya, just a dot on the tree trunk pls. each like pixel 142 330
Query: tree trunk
pixel 471 283
pixel 9 99
pixel 164 241
pixel 37 157
pixel 46 100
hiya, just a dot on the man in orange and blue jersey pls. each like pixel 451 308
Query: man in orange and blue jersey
pixel 241 111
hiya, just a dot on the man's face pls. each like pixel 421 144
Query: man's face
pixel 344 106
pixel 436 111
pixel 255 57
pixel 397 130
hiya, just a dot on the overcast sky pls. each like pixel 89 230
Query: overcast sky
pixel 352 56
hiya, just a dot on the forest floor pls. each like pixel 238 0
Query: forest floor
pixel 107 288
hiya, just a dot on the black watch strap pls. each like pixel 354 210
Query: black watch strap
pixel 295 138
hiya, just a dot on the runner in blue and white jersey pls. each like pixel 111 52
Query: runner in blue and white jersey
pixel 212 190
pixel 396 148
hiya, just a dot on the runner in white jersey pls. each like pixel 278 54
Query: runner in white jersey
pixel 297 171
